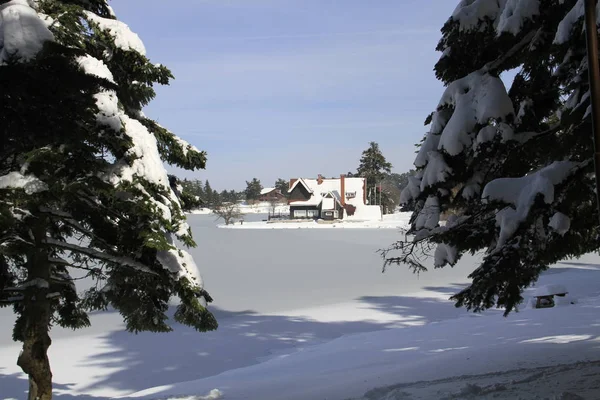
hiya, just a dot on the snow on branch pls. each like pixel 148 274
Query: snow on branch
pixel 95 67
pixel 444 254
pixel 125 39
pixel 22 31
pixel 520 193
pixel 99 255
pixel 560 223
pixel 565 27
pixel 180 263
pixel 429 216
pixel 514 15
pixel 469 13
pixel 507 15
pixel 16 180
pixel 475 98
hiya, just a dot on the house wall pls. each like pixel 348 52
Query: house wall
pixel 340 213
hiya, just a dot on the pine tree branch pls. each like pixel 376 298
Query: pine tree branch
pixel 510 53
pixel 122 260
pixel 12 300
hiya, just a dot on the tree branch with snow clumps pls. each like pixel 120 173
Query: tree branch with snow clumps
pixel 513 182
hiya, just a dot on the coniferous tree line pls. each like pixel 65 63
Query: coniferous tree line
pixel 383 185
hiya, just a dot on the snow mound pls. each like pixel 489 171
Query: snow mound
pixel 22 31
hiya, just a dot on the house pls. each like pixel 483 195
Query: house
pixel 330 199
pixel 271 194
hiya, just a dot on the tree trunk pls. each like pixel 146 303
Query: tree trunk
pixel 37 314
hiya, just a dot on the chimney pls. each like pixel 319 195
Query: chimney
pixel 292 181
pixel 319 179
pixel 343 189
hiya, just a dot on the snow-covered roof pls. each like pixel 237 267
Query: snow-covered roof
pixel 329 185
pixel 303 182
pixel 267 190
pixel 549 290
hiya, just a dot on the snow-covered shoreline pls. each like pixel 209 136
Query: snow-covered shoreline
pixel 390 221
pixel 244 208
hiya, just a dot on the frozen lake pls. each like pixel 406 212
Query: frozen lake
pixel 281 270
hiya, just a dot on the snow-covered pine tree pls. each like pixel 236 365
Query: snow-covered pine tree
pixel 83 190
pixel 513 168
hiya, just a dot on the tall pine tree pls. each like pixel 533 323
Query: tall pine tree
pixel 514 167
pixel 374 167
pixel 253 189
pixel 282 185
pixel 82 182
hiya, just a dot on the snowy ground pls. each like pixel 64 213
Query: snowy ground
pixel 308 315
pixel 392 221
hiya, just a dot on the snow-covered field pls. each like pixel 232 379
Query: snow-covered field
pixel 306 314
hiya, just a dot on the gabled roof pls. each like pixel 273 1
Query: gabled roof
pixel 303 182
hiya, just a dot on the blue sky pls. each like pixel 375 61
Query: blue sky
pixel 286 88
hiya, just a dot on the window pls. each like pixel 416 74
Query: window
pixel 299 213
pixel 312 213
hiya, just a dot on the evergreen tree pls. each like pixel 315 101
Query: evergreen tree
pixel 225 196
pixel 253 189
pixel 187 199
pixel 514 167
pixel 209 194
pixel 78 159
pixel 195 188
pixel 373 166
pixel 282 185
